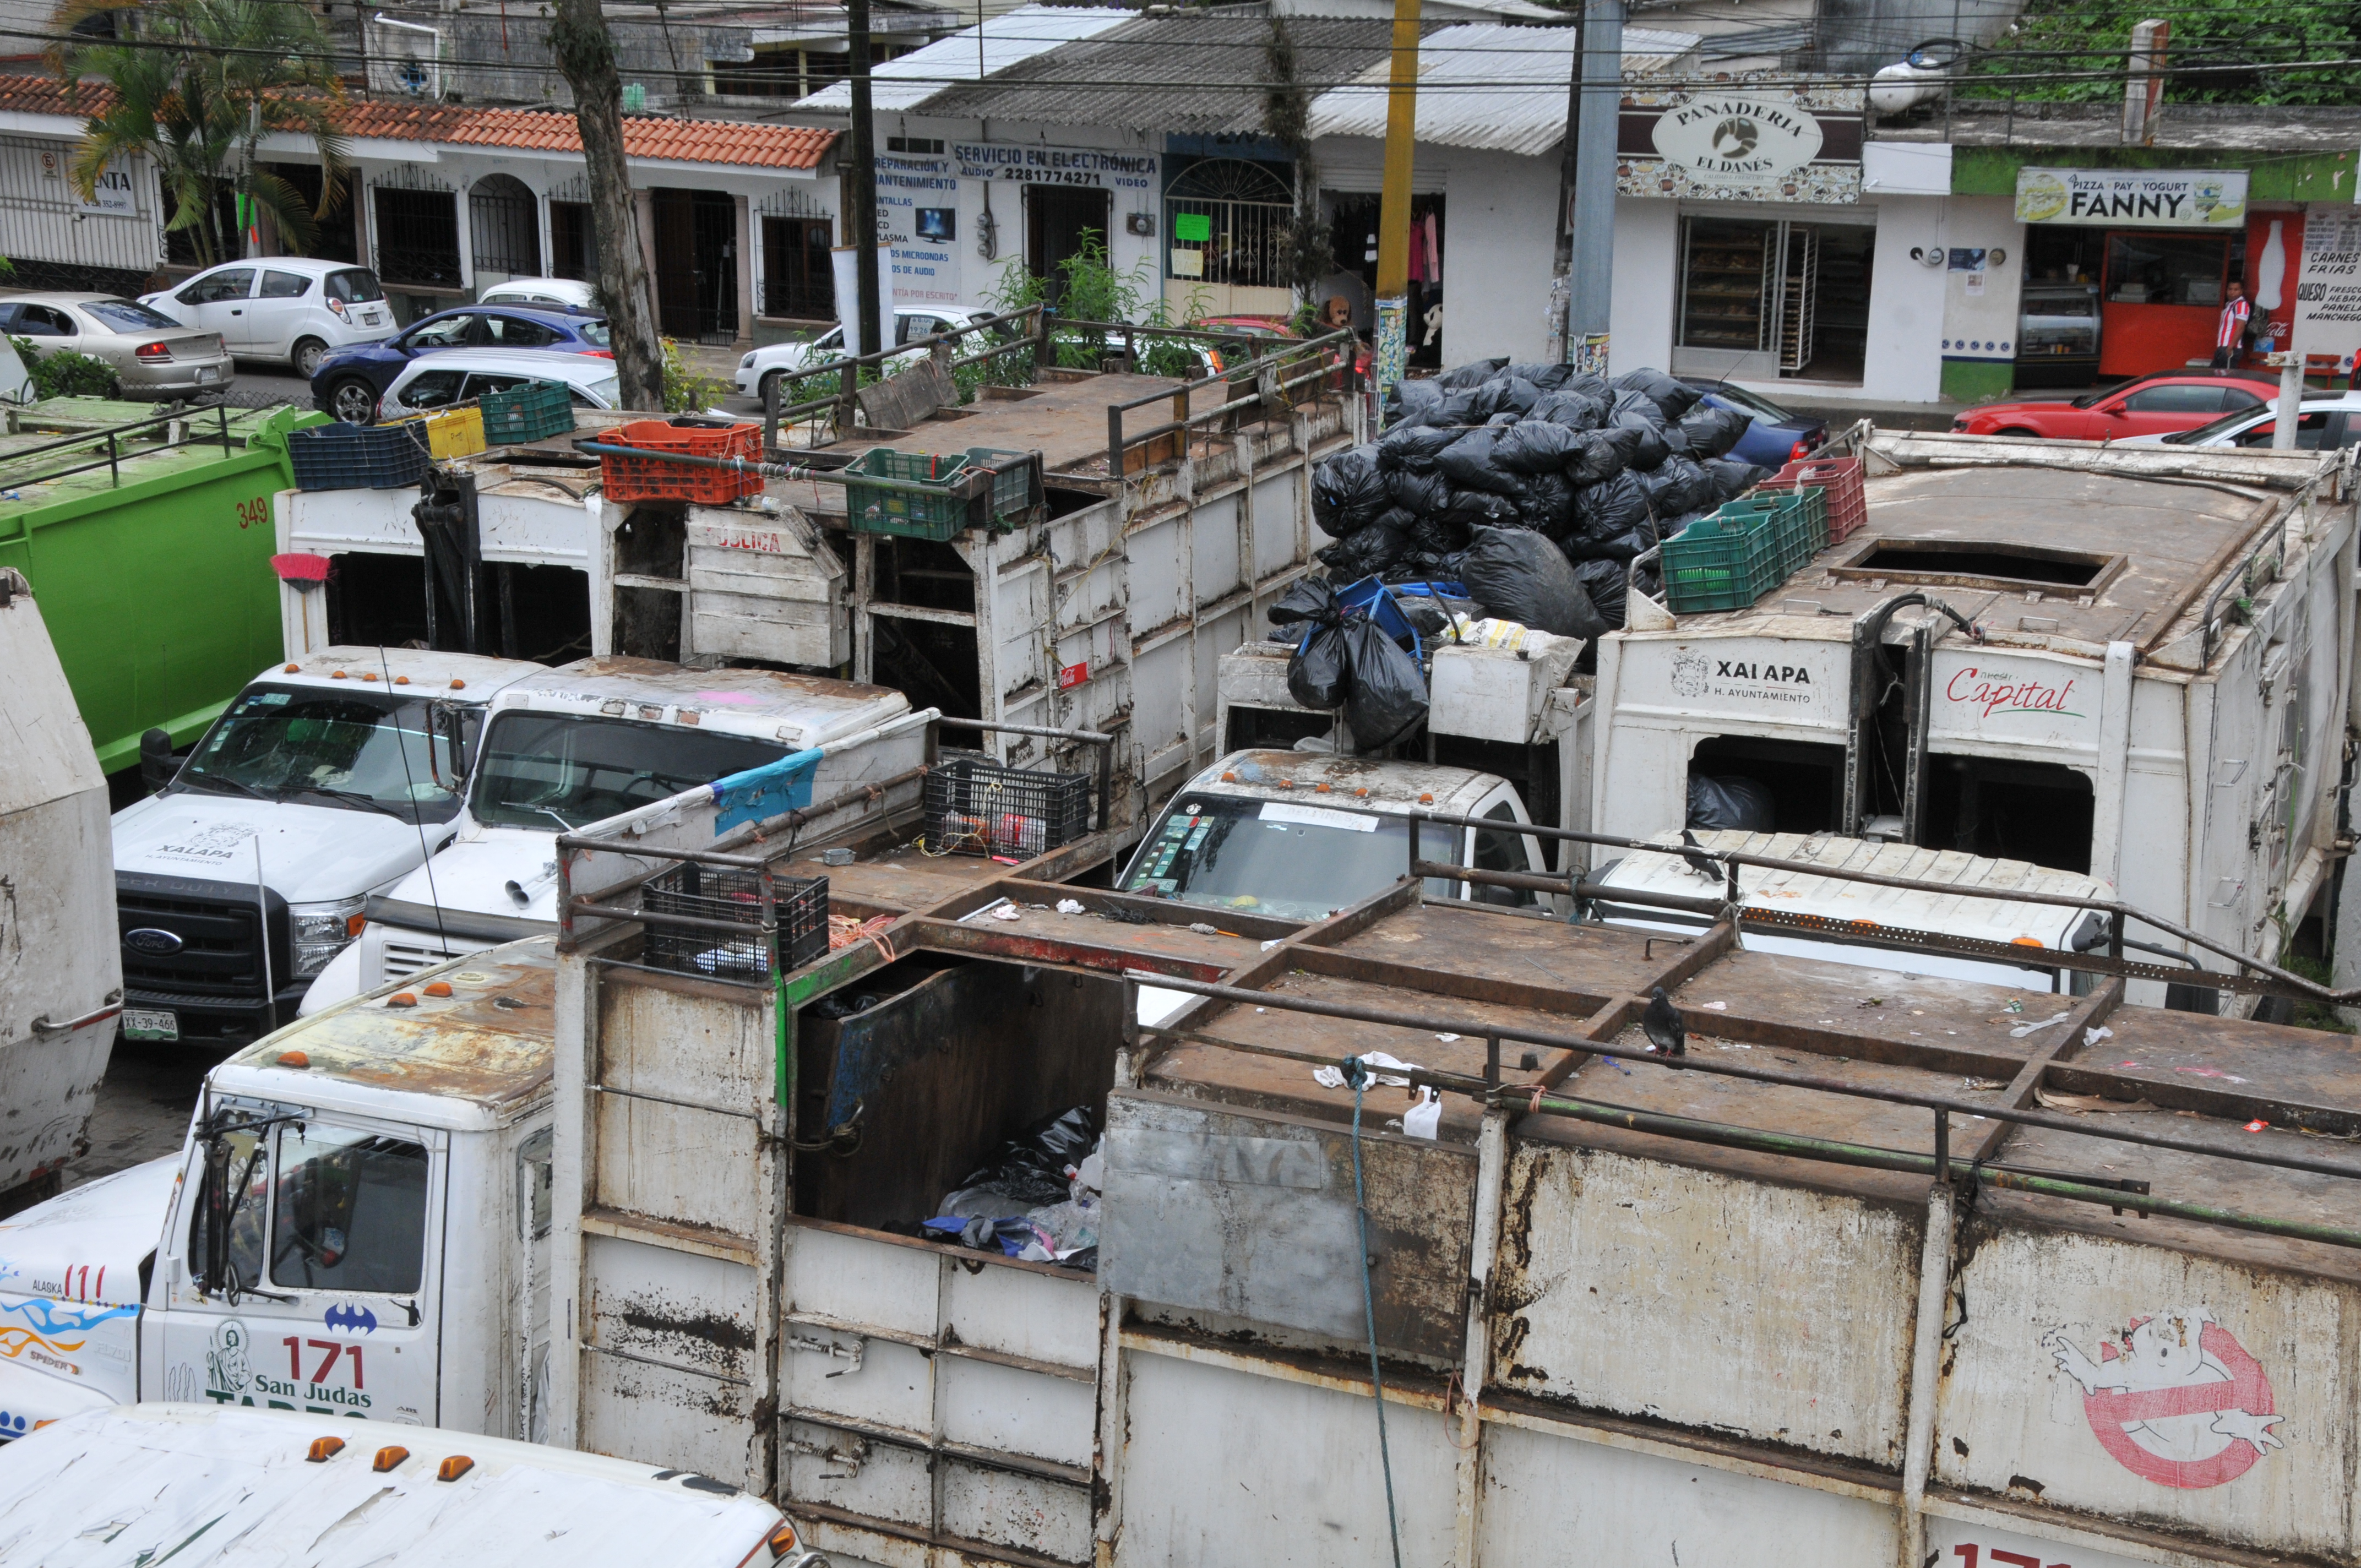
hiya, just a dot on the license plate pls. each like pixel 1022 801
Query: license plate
pixel 372 319
pixel 151 1024
pixel 207 373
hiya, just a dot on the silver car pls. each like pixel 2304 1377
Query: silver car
pixel 152 356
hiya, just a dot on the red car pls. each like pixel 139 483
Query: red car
pixel 2145 405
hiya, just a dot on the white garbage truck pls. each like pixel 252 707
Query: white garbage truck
pixel 60 983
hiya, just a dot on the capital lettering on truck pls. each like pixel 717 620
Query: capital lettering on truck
pixel 1997 691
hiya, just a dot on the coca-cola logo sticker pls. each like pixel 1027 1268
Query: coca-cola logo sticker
pixel 2174 1398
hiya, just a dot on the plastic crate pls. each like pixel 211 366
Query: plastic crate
pixel 942 515
pixel 1375 598
pixel 356 457
pixel 1015 481
pixel 450 433
pixel 1726 561
pixel 1798 519
pixel 734 894
pixel 654 479
pixel 1841 477
pixel 976 807
pixel 535 412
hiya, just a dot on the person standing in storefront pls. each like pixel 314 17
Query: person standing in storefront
pixel 2229 338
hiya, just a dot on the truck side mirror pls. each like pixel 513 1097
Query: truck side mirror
pixel 156 764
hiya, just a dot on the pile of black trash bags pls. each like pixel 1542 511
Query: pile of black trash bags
pixel 1479 468
pixel 1036 1198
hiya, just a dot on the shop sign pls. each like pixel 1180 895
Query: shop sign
pixel 2133 198
pixel 2328 285
pixel 1737 141
pixel 1099 167
pixel 917 216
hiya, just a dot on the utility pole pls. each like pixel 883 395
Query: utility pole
pixel 1587 230
pixel 864 182
pixel 1568 163
pixel 1393 208
pixel 586 55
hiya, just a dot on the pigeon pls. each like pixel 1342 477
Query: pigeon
pixel 1694 854
pixel 1662 1022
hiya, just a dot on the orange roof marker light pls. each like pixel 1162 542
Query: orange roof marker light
pixel 387 1457
pixel 325 1449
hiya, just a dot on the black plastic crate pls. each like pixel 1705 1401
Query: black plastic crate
pixel 975 806
pixel 733 894
pixel 359 456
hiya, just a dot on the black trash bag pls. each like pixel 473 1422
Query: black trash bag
pixel 1414 447
pixel 1348 492
pixel 1457 410
pixel 1604 581
pixel 1416 403
pixel 1441 534
pixel 1421 495
pixel 1474 374
pixel 1369 550
pixel 1515 395
pixel 1385 693
pixel 1626 545
pixel 1676 527
pixel 1472 463
pixel 1602 455
pixel 1525 578
pixel 1505 419
pixel 1429 616
pixel 1547 504
pixel 1675 485
pixel 1571 410
pixel 1712 432
pixel 1636 409
pixel 1424 566
pixel 1482 509
pixel 1032 1165
pixel 1315 672
pixel 1674 396
pixel 1676 438
pixel 1613 506
pixel 1649 448
pixel 1536 446
pixel 1732 476
pixel 1597 389
pixel 1735 802
pixel 1541 373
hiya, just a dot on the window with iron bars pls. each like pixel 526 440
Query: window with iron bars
pixel 417 237
pixel 1225 221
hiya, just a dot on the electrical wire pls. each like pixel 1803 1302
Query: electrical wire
pixel 1357 1073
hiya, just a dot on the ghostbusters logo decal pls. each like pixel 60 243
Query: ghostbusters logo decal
pixel 2176 1399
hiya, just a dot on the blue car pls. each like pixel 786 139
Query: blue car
pixel 1777 437
pixel 350 382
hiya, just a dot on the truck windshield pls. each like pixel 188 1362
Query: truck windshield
pixel 360 750
pixel 1272 858
pixel 557 771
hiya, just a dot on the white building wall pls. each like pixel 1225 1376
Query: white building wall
pixel 1647 284
pixel 1903 361
pixel 1501 247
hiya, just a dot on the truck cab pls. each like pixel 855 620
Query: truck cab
pixel 594 739
pixel 327 778
pixel 356 1225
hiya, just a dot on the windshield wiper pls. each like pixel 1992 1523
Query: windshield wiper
pixel 355 797
pixel 552 816
pixel 222 781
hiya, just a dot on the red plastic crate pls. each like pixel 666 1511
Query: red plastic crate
pixel 1841 477
pixel 654 479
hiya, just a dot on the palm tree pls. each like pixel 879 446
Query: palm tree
pixel 198 85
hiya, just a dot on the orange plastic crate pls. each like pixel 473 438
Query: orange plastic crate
pixel 654 479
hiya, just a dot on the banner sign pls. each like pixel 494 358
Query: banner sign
pixel 1057 165
pixel 2133 198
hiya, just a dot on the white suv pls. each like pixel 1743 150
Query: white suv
pixel 287 308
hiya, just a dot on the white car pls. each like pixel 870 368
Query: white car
pixel 551 293
pixel 912 324
pixel 2328 421
pixel 455 375
pixel 287 308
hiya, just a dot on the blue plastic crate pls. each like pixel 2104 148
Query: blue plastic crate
pixel 359 456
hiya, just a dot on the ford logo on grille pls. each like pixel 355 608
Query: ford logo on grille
pixel 148 939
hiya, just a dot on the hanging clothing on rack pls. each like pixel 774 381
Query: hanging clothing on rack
pixel 1417 254
pixel 1429 239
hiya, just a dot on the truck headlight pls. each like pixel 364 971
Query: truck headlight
pixel 322 931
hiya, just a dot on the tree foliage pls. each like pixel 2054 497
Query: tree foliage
pixel 198 85
pixel 2219 52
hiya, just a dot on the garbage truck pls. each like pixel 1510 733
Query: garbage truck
pixel 245 873
pixel 61 980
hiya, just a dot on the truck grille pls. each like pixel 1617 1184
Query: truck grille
pixel 403 958
pixel 220 958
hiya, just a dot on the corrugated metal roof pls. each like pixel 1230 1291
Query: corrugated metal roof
pixel 1188 75
pixel 1482 85
pixel 1024 34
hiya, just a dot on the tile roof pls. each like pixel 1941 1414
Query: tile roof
pixel 732 142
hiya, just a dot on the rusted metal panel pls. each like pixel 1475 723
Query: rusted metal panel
pixel 2149 1385
pixel 631 1409
pixel 1603 1255
pixel 863 1475
pixel 676 1308
pixel 860 1377
pixel 1552 1499
pixel 993 1409
pixel 1007 1507
pixel 681 1079
pixel 489 1042
pixel 1252 1216
pixel 1032 1313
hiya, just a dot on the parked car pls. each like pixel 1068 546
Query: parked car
pixel 2330 421
pixel 2145 405
pixel 152 356
pixel 554 293
pixel 287 308
pixel 350 382
pixel 912 324
pixel 1778 435
pixel 454 376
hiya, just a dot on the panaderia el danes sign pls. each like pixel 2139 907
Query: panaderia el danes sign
pixel 1752 141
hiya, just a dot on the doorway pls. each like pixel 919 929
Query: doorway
pixel 798 270
pixel 1352 226
pixel 697 265
pixel 1062 222
pixel 1769 298
pixel 504 224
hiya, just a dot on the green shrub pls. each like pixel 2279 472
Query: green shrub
pixel 65 373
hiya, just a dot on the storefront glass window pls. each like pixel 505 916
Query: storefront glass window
pixel 2165 269
pixel 1722 286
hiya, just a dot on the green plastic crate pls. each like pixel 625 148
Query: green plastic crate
pixel 535 412
pixel 941 513
pixel 1798 520
pixel 1726 561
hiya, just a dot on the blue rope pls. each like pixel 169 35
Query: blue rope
pixel 1357 1075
